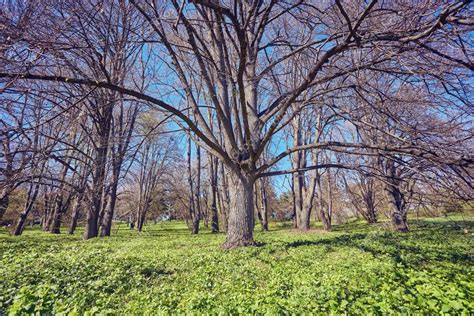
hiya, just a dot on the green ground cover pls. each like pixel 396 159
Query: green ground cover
pixel 356 269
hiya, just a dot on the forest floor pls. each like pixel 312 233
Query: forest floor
pixel 356 269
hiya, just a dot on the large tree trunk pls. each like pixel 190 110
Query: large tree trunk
pixel 303 219
pixel 140 222
pixel 399 214
pixel 109 213
pixel 92 221
pixel 396 197
pixel 56 223
pixel 371 213
pixel 241 213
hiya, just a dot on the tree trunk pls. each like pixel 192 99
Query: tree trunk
pixel 109 213
pixel 327 225
pixel 396 198
pixel 46 212
pixel 30 201
pixel 193 211
pixel 140 222
pixel 197 190
pixel 75 215
pixel 92 222
pixel 56 222
pixel 21 224
pixel 264 211
pixel 4 201
pixel 325 216
pixel 213 191
pixel 224 200
pixel 48 218
pixel 294 215
pixel 195 226
pixel 398 214
pixel 241 213
pixel 303 219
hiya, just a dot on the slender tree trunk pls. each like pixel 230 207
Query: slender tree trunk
pixel 193 211
pixel 325 216
pixel 75 214
pixel 30 201
pixel 20 224
pixel 223 195
pixel 44 223
pixel 264 210
pixel 197 190
pixel 4 201
pixel 213 193
pixel 214 217
pixel 241 214
pixel 294 217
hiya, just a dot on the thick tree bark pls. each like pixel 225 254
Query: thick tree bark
pixel 396 197
pixel 399 214
pixel 241 213
pixel 140 222
pixel 371 213
pixel 109 213
pixel 92 221
pixel 56 222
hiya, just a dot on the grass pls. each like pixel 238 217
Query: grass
pixel 356 269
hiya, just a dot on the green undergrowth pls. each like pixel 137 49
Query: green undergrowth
pixel 356 269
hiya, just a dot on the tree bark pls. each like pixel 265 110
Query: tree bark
pixel 399 214
pixel 4 201
pixel 264 210
pixel 213 164
pixel 325 216
pixel 92 221
pixel 56 222
pixel 109 213
pixel 224 200
pixel 75 215
pixel 30 201
pixel 241 214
